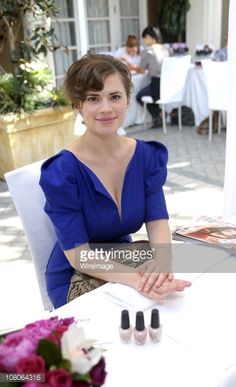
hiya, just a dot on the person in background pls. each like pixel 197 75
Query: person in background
pixel 102 188
pixel 151 61
pixel 130 53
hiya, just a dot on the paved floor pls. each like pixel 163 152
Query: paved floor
pixel 194 188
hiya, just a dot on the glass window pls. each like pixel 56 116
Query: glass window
pixel 129 26
pixel 99 32
pixel 100 50
pixel 65 8
pixel 62 61
pixel 65 32
pixel 129 8
pixel 97 8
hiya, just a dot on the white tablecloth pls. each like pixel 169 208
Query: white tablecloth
pixel 196 93
pixel 135 115
pixel 195 96
pixel 198 344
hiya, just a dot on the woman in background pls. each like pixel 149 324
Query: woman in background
pixel 130 53
pixel 151 62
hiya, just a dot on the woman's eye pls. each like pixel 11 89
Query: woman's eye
pixel 92 99
pixel 116 97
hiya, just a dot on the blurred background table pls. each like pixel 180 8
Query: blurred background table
pixel 196 93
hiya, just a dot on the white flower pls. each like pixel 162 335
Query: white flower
pixel 78 350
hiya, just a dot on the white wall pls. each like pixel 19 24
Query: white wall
pixel 204 24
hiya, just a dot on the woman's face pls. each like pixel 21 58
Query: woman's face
pixel 132 51
pixel 148 40
pixel 104 111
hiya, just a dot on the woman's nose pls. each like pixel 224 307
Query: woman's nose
pixel 105 105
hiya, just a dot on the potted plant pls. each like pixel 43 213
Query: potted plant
pixel 35 118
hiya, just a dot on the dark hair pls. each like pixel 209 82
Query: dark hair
pixel 153 32
pixel 90 72
pixel 132 41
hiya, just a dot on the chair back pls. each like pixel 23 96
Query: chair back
pixel 173 78
pixel 216 75
pixel 29 200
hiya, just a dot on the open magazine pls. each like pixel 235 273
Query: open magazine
pixel 217 234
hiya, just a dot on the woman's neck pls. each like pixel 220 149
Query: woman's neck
pixel 101 145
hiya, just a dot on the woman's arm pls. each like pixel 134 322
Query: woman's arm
pixel 159 269
pixel 117 273
pixel 120 274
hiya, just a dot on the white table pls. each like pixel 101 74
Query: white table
pixel 135 114
pixel 198 342
pixel 196 93
pixel 195 96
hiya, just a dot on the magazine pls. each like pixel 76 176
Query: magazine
pixel 217 234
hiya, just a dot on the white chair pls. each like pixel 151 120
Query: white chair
pixel 173 78
pixel 29 200
pixel 216 75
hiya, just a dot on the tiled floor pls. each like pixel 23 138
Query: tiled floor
pixel 194 188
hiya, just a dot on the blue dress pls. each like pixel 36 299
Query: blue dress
pixel 82 210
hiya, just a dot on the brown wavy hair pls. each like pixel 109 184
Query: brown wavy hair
pixel 90 72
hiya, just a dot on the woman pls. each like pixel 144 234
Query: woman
pixel 130 53
pixel 103 187
pixel 151 61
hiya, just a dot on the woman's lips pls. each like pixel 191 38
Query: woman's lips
pixel 106 120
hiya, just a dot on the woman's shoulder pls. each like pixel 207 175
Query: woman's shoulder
pixel 62 160
pixel 154 152
pixel 58 168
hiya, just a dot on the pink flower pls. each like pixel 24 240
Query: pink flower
pixel 22 344
pixel 20 352
pixel 14 348
pixel 60 330
pixel 59 378
pixel 31 364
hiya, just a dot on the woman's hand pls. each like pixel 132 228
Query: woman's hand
pixel 155 272
pixel 166 288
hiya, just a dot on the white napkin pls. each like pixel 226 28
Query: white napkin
pixel 127 297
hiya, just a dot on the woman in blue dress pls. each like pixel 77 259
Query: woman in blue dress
pixel 102 188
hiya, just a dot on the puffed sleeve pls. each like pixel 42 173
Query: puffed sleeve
pixel 63 202
pixel 156 156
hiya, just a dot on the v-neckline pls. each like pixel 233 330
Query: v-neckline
pixel 119 210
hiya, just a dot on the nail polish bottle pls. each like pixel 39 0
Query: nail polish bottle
pixel 155 328
pixel 140 331
pixel 125 327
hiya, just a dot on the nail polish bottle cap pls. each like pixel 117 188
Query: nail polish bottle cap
pixel 125 324
pixel 155 319
pixel 139 321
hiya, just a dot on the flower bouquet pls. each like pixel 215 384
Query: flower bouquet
pixel 51 353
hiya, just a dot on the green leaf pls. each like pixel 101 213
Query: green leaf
pixel 65 364
pixel 50 352
pixel 84 378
